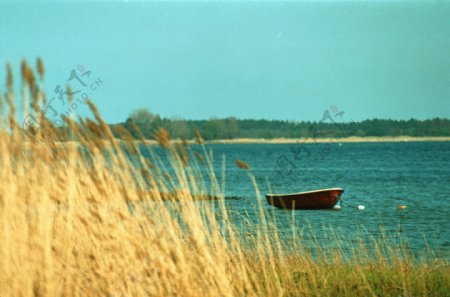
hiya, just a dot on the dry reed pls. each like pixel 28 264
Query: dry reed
pixel 89 217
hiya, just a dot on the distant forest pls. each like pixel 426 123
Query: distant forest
pixel 231 128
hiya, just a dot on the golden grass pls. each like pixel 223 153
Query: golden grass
pixel 91 219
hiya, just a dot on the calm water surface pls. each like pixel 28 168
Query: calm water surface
pixel 379 176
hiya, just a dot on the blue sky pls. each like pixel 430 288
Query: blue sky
pixel 276 60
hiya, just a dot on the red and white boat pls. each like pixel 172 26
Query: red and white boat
pixel 318 199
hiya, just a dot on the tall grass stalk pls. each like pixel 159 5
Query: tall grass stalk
pixel 83 213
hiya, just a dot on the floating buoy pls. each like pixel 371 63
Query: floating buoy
pixel 401 207
pixel 337 207
pixel 361 207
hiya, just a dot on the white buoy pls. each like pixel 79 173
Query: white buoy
pixel 337 207
pixel 361 207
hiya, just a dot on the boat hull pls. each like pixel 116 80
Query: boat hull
pixel 320 199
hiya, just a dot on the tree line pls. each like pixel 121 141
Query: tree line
pixel 232 128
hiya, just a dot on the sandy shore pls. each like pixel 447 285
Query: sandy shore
pixel 295 140
pixel 330 140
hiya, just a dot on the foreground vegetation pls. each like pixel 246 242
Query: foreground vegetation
pixel 90 219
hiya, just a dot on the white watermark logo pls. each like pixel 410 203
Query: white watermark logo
pixel 288 165
pixel 84 84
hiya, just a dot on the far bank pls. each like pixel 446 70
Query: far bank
pixel 330 140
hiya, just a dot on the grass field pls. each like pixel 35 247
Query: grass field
pixel 89 219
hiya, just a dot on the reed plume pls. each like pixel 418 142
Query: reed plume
pixel 40 68
pixel 162 137
pixel 241 164
pixel 198 137
pixel 101 215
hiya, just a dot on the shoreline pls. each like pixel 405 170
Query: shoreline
pixel 352 139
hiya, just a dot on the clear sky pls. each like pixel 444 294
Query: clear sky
pixel 276 60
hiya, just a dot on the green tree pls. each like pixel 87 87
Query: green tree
pixel 142 116
pixel 145 120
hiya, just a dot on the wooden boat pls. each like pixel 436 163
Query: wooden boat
pixel 318 199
